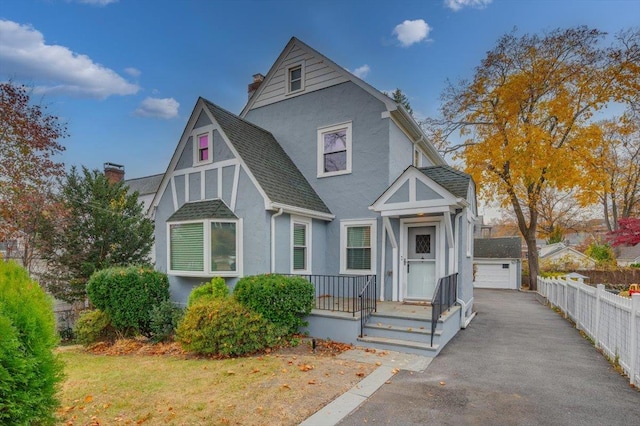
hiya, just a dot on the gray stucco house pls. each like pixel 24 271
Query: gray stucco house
pixel 324 176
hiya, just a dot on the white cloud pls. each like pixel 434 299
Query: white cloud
pixel 133 72
pixel 362 72
pixel 158 107
pixel 97 2
pixel 456 5
pixel 55 69
pixel 411 32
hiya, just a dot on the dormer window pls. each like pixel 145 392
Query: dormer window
pixel 295 78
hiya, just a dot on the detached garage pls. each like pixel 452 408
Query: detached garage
pixel 497 263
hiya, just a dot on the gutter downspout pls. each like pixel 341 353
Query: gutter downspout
pixel 464 322
pixel 273 239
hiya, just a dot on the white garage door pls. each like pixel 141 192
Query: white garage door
pixel 495 275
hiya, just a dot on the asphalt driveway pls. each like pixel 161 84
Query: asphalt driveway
pixel 518 363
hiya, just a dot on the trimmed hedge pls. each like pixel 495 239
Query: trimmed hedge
pixel 214 289
pixel 128 295
pixel 165 318
pixel 224 327
pixel 94 326
pixel 29 370
pixel 284 301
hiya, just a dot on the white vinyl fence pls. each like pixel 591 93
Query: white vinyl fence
pixel 613 322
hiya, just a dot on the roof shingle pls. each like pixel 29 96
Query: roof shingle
pixel 208 209
pixel 268 162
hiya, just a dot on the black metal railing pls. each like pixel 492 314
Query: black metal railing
pixel 342 293
pixel 444 298
pixel 368 302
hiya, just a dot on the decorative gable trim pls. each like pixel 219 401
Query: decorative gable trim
pixel 444 202
pixel 171 171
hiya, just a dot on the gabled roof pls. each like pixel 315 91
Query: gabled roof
pixel 197 210
pixel 396 111
pixel 273 169
pixel 145 185
pixel 497 248
pixel 454 181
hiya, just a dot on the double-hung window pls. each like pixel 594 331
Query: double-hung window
pixel 203 247
pixel 300 246
pixel 334 150
pixel 295 78
pixel 202 145
pixel 358 246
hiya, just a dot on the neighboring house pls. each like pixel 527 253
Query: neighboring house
pixel 497 263
pixel 320 175
pixel 147 187
pixel 627 255
pixel 559 255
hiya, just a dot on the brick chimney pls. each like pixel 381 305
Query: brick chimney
pixel 114 172
pixel 257 81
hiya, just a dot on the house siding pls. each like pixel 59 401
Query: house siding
pixel 347 196
pixel 318 75
pixel 400 152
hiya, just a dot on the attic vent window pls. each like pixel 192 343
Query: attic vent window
pixel 295 78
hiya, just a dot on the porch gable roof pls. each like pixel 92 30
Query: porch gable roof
pixel 433 189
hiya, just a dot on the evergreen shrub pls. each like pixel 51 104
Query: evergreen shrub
pixel 224 327
pixel 128 295
pixel 94 326
pixel 284 301
pixel 165 318
pixel 29 370
pixel 214 289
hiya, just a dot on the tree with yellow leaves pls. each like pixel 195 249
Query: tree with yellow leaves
pixel 525 119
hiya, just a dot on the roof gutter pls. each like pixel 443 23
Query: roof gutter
pixel 313 214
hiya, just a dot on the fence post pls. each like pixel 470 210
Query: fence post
pixel 565 295
pixel 577 302
pixel 599 291
pixel 633 329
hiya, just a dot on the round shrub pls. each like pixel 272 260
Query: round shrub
pixel 214 289
pixel 29 370
pixel 94 326
pixel 284 301
pixel 224 327
pixel 165 318
pixel 128 295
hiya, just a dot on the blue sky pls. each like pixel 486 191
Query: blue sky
pixel 125 74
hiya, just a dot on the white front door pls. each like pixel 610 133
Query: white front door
pixel 420 262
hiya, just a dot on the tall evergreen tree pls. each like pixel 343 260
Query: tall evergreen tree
pixel 102 226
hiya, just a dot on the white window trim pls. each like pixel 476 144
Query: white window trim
pixel 207 250
pixel 344 224
pixel 208 130
pixel 328 129
pixel 419 153
pixel 470 232
pixel 297 220
pixel 288 70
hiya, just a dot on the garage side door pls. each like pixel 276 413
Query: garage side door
pixel 495 275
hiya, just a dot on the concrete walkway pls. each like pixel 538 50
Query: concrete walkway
pixel 518 363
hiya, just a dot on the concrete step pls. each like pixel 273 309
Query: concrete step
pixel 399 320
pixel 418 332
pixel 383 343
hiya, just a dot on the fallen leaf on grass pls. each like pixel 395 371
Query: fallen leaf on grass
pixel 378 363
pixel 442 383
pixel 285 386
pixel 395 370
pixel 311 382
pixel 256 370
pixel 306 367
pixel 230 373
pixel 360 374
pixel 88 399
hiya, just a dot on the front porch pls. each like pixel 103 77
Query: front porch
pixel 420 328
